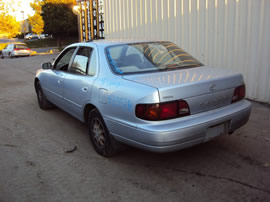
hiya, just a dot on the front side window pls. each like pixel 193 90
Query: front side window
pixel 148 56
pixel 81 61
pixel 63 61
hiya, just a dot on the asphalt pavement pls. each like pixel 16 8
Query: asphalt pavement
pixel 36 163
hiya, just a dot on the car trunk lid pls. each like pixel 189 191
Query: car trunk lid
pixel 204 88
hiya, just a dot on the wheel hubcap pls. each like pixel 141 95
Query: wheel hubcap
pixel 98 133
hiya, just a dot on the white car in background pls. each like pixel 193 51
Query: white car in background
pixel 31 36
pixel 15 50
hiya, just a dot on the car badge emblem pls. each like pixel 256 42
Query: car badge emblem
pixel 212 87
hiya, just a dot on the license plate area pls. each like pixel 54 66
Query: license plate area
pixel 216 130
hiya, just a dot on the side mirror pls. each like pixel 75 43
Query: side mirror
pixel 46 65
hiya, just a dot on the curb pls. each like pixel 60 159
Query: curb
pixel 49 52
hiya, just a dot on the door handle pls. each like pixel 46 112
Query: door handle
pixel 84 89
pixel 60 81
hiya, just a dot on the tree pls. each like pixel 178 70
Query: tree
pixel 36 20
pixel 73 2
pixel 9 26
pixel 59 20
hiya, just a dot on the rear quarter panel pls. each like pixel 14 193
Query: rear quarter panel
pixel 116 98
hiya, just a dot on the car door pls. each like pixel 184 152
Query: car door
pixel 79 80
pixel 55 77
pixel 7 50
pixel 10 50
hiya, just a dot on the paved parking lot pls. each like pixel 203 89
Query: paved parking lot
pixel 34 164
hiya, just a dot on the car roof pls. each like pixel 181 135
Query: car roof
pixel 18 43
pixel 106 42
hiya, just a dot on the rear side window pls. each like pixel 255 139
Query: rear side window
pixel 84 62
pixel 81 61
pixel 10 47
pixel 93 64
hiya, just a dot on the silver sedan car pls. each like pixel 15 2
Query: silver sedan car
pixel 15 50
pixel 148 94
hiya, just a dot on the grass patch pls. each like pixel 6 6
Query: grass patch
pixel 49 42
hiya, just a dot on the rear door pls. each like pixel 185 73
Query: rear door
pixel 79 80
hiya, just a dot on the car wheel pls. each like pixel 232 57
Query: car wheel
pixel 42 100
pixel 2 56
pixel 10 55
pixel 102 141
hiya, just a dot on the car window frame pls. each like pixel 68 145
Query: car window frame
pixel 60 56
pixel 134 73
pixel 97 62
pixel 90 57
pixel 9 47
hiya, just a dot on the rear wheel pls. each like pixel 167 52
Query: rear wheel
pixel 103 142
pixel 10 55
pixel 42 100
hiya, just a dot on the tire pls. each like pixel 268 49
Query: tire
pixel 2 56
pixel 103 143
pixel 10 55
pixel 42 100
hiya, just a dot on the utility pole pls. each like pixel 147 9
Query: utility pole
pixel 23 25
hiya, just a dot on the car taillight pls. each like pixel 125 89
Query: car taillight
pixel 16 49
pixel 28 49
pixel 162 111
pixel 239 93
pixel 183 109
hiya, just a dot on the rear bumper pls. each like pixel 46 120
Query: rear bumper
pixel 21 53
pixel 185 132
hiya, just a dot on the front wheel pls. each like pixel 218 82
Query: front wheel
pixel 103 142
pixel 42 100
pixel 2 56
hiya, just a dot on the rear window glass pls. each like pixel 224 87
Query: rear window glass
pixel 20 46
pixel 148 56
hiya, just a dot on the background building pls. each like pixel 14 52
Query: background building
pixel 233 34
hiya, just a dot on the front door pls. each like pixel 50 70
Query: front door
pixel 55 79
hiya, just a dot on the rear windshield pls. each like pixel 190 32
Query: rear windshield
pixel 147 57
pixel 20 46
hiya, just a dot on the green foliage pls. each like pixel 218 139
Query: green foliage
pixel 59 20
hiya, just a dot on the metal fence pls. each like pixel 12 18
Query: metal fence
pixel 233 34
